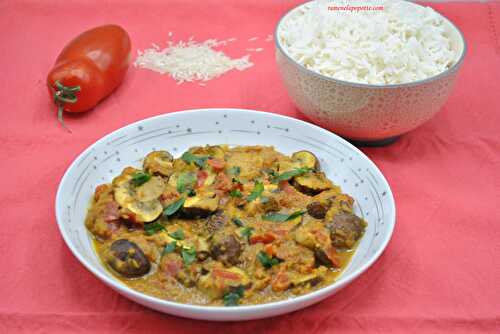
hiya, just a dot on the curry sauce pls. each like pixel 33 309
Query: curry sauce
pixel 224 226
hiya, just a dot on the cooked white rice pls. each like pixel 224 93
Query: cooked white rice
pixel 401 43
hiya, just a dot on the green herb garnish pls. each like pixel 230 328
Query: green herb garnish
pixel 140 178
pixel 235 170
pixel 232 298
pixel 177 235
pixel 291 174
pixel 246 232
pixel 258 189
pixel 153 228
pixel 235 193
pixel 188 255
pixel 172 208
pixel 186 181
pixel 282 217
pixel 238 222
pixel 266 260
pixel 189 158
pixel 170 247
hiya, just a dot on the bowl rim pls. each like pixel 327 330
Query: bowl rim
pixel 214 310
pixel 301 67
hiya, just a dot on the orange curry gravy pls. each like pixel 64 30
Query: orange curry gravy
pixel 224 226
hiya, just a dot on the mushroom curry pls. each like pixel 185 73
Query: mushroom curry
pixel 224 226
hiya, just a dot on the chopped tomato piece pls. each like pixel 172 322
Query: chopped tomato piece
pixel 201 177
pixel 281 282
pixel 169 197
pixel 222 182
pixel 286 187
pixel 321 237
pixel 331 254
pixel 269 249
pixel 265 238
pixel 237 186
pixel 111 212
pixel 226 274
pixel 172 267
pixel 216 164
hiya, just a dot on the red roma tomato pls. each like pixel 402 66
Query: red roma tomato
pixel 89 68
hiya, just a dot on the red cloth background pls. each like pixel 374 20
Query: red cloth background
pixel 441 271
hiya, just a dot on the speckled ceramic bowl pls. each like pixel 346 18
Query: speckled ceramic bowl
pixel 373 114
pixel 176 132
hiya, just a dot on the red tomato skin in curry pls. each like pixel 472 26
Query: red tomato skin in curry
pixel 96 61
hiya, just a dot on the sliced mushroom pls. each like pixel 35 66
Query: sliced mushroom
pixel 125 176
pixel 150 190
pixel 145 212
pixel 140 204
pixel 221 280
pixel 201 205
pixel 127 259
pixel 306 159
pixel 124 195
pixel 174 178
pixel 312 183
pixel 122 188
pixel 159 162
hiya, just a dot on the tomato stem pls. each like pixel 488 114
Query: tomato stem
pixel 64 94
pixel 60 110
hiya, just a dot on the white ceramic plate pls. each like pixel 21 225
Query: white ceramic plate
pixel 176 132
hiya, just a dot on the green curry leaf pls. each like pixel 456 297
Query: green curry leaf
pixel 186 181
pixel 199 161
pixel 170 247
pixel 174 207
pixel 282 217
pixel 188 255
pixel 266 260
pixel 291 174
pixel 235 193
pixel 232 298
pixel 257 191
pixel 140 178
pixel 153 228
pixel 177 235
pixel 238 222
pixel 246 232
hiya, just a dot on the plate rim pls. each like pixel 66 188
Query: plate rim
pixel 311 297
